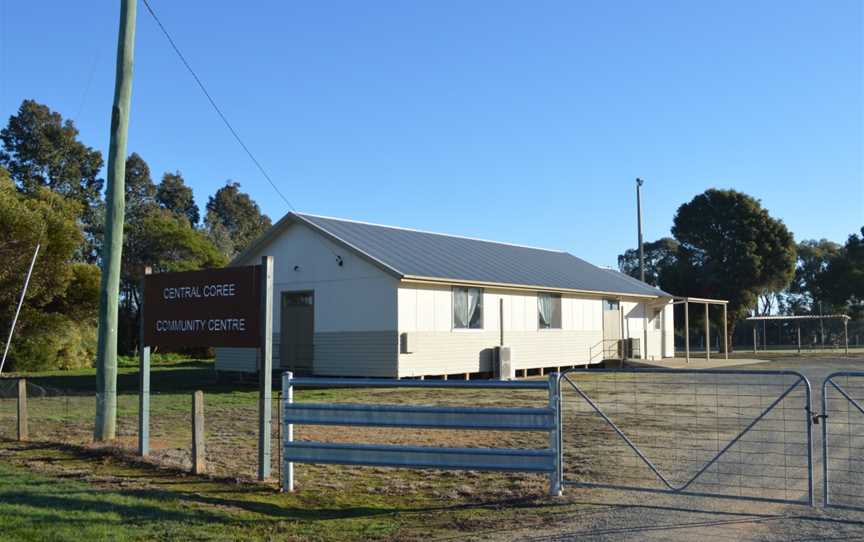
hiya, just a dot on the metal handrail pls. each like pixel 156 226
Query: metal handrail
pixel 602 345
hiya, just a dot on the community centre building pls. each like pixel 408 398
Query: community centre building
pixel 359 299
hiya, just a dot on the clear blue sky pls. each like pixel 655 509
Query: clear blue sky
pixel 517 121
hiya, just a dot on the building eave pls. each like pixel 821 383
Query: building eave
pixel 414 279
pixel 293 218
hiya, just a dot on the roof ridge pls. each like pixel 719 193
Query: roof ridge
pixel 431 233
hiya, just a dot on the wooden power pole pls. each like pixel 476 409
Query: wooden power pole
pixel 112 244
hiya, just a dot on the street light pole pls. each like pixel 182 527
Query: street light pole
pixel 642 267
pixel 639 222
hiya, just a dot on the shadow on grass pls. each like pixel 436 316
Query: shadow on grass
pixel 210 491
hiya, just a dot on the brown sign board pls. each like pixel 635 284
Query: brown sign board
pixel 213 307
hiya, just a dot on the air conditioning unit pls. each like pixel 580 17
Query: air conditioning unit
pixel 630 348
pixel 503 363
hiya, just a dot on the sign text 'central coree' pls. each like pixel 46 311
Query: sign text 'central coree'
pixel 214 307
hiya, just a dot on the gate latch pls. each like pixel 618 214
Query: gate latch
pixel 817 416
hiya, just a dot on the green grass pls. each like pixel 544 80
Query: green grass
pixel 50 492
pixel 61 486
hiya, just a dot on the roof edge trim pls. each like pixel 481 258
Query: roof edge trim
pixel 296 218
pixel 338 240
pixel 524 287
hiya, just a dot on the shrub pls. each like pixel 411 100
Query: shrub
pixel 52 341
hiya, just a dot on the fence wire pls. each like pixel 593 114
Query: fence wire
pixel 66 416
pixel 682 423
pixel 54 414
pixel 843 440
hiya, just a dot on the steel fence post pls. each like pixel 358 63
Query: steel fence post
pixel 809 421
pixel 265 368
pixel 143 380
pixel 560 425
pixel 825 499
pixel 287 431
pixel 555 436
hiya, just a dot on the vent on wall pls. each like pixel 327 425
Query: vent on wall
pixel 403 344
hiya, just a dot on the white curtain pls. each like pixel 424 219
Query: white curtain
pixel 465 302
pixel 544 306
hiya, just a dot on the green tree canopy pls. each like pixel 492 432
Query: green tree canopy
pixel 233 219
pixel 140 189
pixel 22 220
pixel 659 256
pixel 842 282
pixel 57 324
pixel 731 248
pixel 165 242
pixel 804 293
pixel 174 195
pixel 41 149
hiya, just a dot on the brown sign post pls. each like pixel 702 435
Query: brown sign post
pixel 229 307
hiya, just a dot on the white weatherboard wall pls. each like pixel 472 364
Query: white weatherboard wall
pixel 660 341
pixel 355 306
pixel 426 314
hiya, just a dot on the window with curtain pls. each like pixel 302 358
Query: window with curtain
pixel 549 311
pixel 468 308
pixel 658 319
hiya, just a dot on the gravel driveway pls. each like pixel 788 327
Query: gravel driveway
pixel 611 514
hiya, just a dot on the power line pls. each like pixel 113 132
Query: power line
pixel 213 103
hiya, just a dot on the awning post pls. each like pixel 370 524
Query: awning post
pixel 687 330
pixel 725 333
pixel 707 335
pixel 754 337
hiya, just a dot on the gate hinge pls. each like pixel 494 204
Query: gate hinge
pixel 817 416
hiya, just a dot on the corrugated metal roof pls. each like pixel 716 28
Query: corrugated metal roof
pixel 412 253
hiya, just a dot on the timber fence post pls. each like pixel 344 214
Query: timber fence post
pixel 22 410
pixel 199 462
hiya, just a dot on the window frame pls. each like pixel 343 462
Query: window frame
pixel 480 307
pixel 552 327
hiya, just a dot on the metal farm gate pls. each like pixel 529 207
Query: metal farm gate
pixel 741 434
pixel 843 440
pixel 736 434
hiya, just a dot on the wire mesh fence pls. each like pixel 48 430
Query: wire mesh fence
pixel 813 335
pixel 66 416
pixel 54 414
pixel 731 433
pixel 843 440
pixel 728 434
